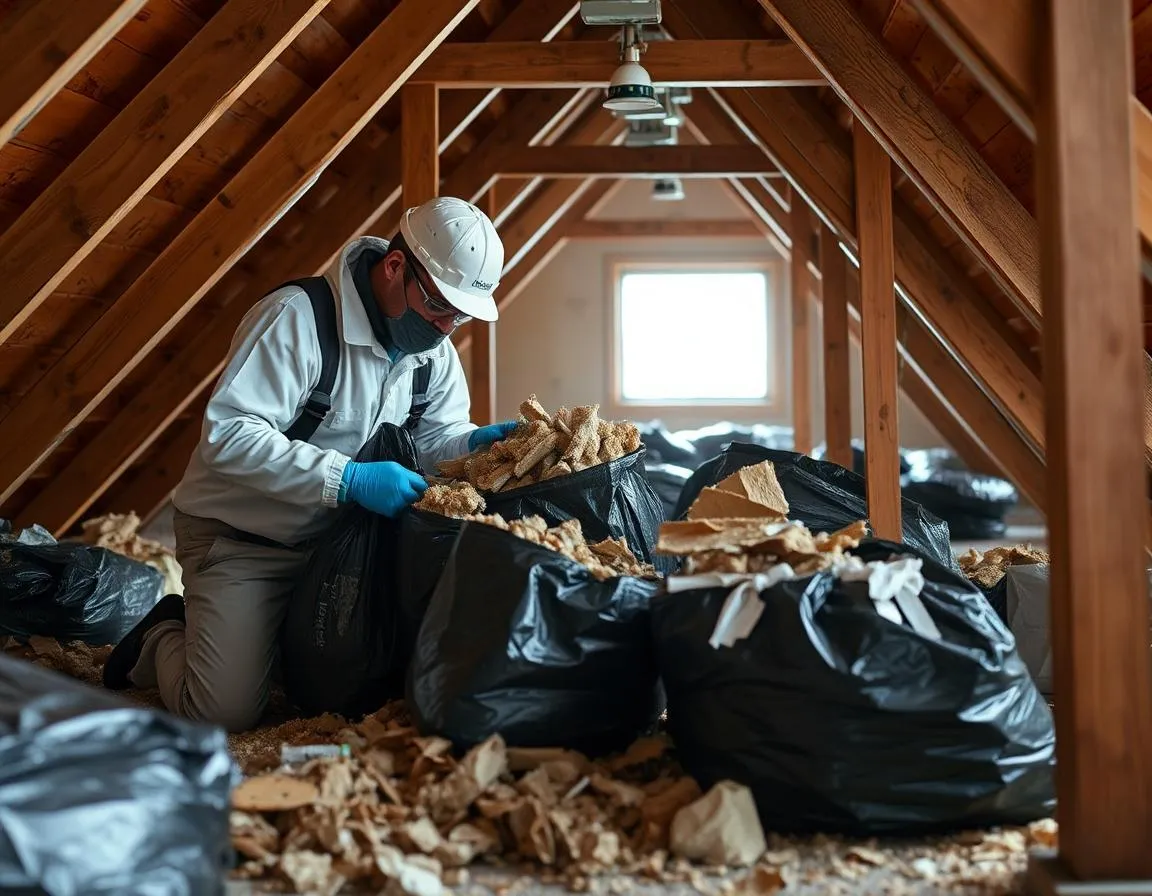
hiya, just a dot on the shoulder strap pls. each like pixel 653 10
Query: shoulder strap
pixel 421 377
pixel 319 401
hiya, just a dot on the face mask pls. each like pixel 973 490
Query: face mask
pixel 412 334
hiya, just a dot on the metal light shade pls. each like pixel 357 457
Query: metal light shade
pixel 631 90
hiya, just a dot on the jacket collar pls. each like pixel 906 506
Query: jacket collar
pixel 355 326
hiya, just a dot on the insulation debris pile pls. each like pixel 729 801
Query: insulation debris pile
pixel 604 559
pixel 120 533
pixel 399 811
pixel 741 525
pixel 988 568
pixel 544 446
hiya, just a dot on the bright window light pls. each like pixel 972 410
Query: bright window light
pixel 693 336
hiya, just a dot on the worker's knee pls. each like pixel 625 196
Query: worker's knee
pixel 233 711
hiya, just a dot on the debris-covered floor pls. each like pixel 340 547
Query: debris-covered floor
pixel 455 822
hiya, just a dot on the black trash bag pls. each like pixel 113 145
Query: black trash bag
pixel 611 500
pixel 522 641
pixel 425 543
pixel 708 441
pixel 964 526
pixel 666 447
pixel 859 463
pixel 71 591
pixel 822 495
pixel 104 797
pixel 962 493
pixel 842 721
pixel 668 481
pixel 339 639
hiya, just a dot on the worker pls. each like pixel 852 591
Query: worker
pixel 276 457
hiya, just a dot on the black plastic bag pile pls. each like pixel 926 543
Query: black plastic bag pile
pixel 611 500
pixel 822 495
pixel 973 504
pixel 71 592
pixel 104 797
pixel 841 720
pixel 692 447
pixel 339 642
pixel 522 641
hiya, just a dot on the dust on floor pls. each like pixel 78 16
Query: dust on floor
pixel 985 861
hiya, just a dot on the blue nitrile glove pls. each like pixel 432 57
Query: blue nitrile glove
pixel 384 487
pixel 494 432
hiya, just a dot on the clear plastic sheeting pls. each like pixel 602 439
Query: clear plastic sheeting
pixel 842 720
pixel 102 797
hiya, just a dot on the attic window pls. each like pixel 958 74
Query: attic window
pixel 693 335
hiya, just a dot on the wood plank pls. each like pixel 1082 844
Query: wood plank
pixel 800 228
pixel 44 44
pixel 837 361
pixel 271 182
pixel 878 331
pixel 695 228
pixel 1099 590
pixel 762 63
pixel 637 162
pixel 130 156
pixel 151 485
pixel 144 419
pixel 922 140
pixel 420 147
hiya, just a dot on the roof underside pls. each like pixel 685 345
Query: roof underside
pixel 356 191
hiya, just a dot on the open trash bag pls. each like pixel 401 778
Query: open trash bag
pixel 521 641
pixel 822 495
pixel 71 591
pixel 102 797
pixel 339 639
pixel 875 700
pixel 611 500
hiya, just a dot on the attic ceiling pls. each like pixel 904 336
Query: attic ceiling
pixel 102 384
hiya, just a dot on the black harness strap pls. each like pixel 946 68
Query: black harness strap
pixel 319 401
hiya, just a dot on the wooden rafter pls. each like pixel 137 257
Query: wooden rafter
pixel 837 362
pixel 763 63
pixel 143 420
pixel 800 230
pixel 925 143
pixel 128 158
pixel 1102 667
pixel 642 162
pixel 420 153
pixel 694 228
pixel 878 325
pixel 44 44
pixel 271 181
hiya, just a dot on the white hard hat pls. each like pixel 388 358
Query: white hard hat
pixel 458 245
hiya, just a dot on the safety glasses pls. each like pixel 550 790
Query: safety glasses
pixel 436 306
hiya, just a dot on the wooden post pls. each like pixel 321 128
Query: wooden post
pixel 878 326
pixel 420 144
pixel 801 227
pixel 837 370
pixel 483 347
pixel 1094 386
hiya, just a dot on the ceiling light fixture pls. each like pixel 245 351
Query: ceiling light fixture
pixel 668 189
pixel 630 89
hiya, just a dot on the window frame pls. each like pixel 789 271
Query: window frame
pixel 774 405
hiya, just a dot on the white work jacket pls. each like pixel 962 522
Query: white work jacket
pixel 246 473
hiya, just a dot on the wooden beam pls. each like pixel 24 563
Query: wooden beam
pixel 926 144
pixel 142 421
pixel 636 161
pixel 420 151
pixel 1000 45
pixel 1094 381
pixel 837 362
pixel 44 43
pixel 761 63
pixel 878 324
pixel 800 223
pixel 48 242
pixel 277 174
pixel 692 228
pixel 150 486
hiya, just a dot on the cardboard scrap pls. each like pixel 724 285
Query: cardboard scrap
pixel 758 483
pixel 721 827
pixel 274 793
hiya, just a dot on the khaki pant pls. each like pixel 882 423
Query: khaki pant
pixel 218 668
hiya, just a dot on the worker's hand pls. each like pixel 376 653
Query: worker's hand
pixel 494 432
pixel 384 487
